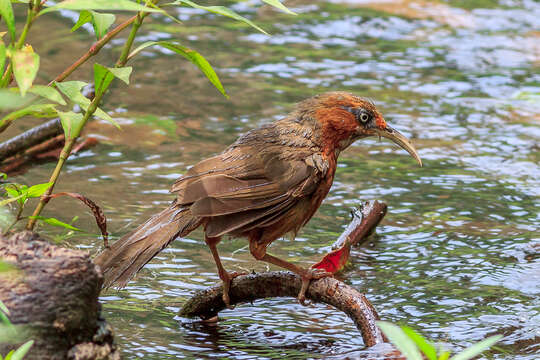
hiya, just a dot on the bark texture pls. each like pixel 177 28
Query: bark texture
pixel 54 296
pixel 208 303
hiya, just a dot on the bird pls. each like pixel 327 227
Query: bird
pixel 267 184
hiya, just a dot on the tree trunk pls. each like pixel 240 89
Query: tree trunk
pixel 53 296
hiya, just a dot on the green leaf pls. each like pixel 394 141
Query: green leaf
pixel 102 78
pixel 12 100
pixel 444 355
pixel 71 123
pixel 47 92
pixel 72 89
pixel 6 11
pixel 189 54
pixel 122 73
pixel 100 22
pixel 13 190
pixel 22 350
pixel 10 200
pixel 221 10
pixel 279 5
pixel 3 308
pixel 121 5
pixel 400 340
pixel 2 55
pixel 425 346
pixel 25 68
pixel 55 222
pixel 38 190
pixel 85 16
pixel 38 110
pixel 104 75
pixel 477 348
pixel 3 175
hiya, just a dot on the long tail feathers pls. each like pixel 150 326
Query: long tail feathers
pixel 127 256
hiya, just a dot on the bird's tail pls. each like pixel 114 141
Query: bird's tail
pixel 129 254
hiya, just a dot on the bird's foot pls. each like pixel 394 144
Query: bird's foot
pixel 310 274
pixel 227 278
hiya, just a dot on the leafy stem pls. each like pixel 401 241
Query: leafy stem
pixel 34 6
pixel 70 141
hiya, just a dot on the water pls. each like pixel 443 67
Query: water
pixel 457 254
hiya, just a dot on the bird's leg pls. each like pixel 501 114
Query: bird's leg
pixel 225 276
pixel 258 250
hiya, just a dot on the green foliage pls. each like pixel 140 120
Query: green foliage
pixel 72 90
pixel 120 5
pixel 189 54
pixel 104 75
pixel 3 54
pixel 412 345
pixel 21 193
pixel 6 11
pixel 221 10
pixel 20 352
pixel 47 92
pixel 71 123
pixel 100 22
pixel 25 67
pixel 48 101
pixel 55 222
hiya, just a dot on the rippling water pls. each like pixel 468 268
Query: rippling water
pixel 457 254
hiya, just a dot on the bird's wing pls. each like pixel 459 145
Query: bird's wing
pixel 248 185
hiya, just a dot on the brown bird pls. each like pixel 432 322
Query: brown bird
pixel 268 183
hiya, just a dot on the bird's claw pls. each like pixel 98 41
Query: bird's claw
pixel 229 276
pixel 311 274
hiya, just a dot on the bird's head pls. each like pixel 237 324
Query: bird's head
pixel 345 118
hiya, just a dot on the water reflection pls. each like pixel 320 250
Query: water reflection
pixel 455 255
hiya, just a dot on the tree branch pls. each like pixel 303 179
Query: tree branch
pixel 207 303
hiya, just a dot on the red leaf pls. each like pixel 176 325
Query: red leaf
pixel 335 260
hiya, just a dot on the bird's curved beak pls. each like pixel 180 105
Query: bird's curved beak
pixel 397 137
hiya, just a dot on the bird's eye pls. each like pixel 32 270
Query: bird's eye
pixel 364 117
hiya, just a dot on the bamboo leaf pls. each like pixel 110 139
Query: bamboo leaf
pixel 277 4
pixel 6 11
pixel 477 348
pixel 47 92
pixel 221 10
pixel 400 340
pixel 189 54
pixel 120 5
pixel 25 68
